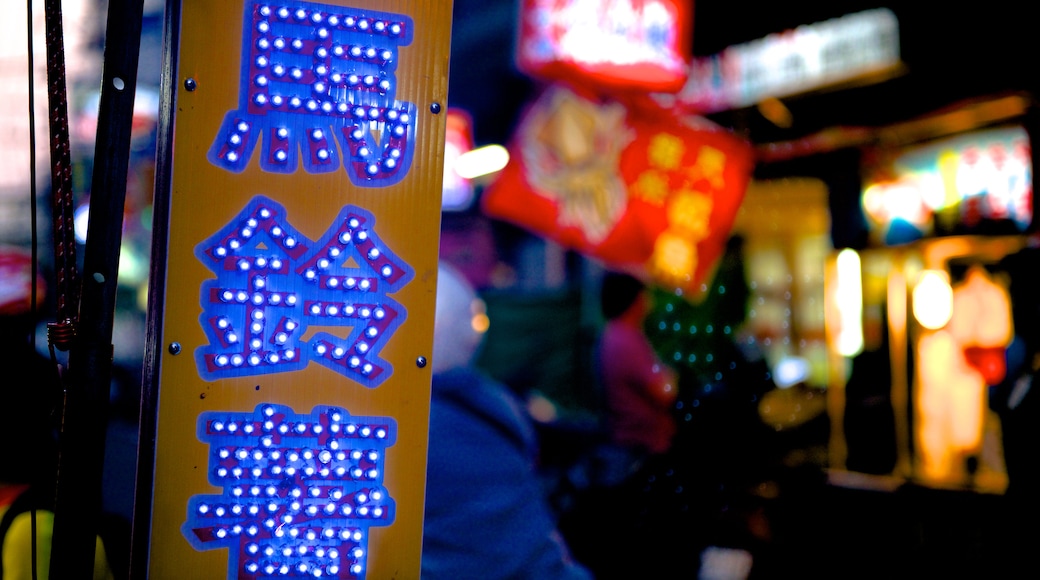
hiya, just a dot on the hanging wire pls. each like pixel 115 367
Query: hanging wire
pixel 33 228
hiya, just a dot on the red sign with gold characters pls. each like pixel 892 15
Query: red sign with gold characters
pixel 640 188
pixel 618 44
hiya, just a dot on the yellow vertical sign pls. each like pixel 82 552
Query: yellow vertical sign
pixel 298 284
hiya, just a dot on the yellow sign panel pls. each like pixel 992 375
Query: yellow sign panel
pixel 304 189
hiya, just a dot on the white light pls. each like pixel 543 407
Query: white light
pixel 933 299
pixel 80 220
pixel 481 161
pixel 849 297
pixel 790 371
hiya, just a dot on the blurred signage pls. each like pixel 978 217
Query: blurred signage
pixel 620 44
pixel 298 285
pixel 806 58
pixel 643 190
pixel 979 182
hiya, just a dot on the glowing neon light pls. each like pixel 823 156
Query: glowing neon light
pixel 933 299
pixel 300 491
pixel 480 162
pixel 316 77
pixel 617 43
pixel 272 282
pixel 795 61
pixel 850 303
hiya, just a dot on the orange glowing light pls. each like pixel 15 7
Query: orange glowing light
pixel 957 363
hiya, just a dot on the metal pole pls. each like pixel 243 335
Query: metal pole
pixel 85 417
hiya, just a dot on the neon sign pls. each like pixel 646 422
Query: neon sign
pixel 806 58
pixel 956 185
pixel 618 43
pixel 300 491
pixel 272 282
pixel 315 78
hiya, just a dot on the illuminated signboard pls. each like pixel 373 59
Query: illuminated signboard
pixel 298 218
pixel 313 77
pixel 973 183
pixel 263 301
pixel 806 58
pixel 620 44
pixel 300 491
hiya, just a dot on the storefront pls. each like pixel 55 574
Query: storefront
pixel 944 216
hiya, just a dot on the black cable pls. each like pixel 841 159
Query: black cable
pixel 33 231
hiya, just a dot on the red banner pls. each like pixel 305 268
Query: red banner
pixel 640 188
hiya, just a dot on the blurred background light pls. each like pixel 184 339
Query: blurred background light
pixel 933 299
pixel 850 303
pixel 481 161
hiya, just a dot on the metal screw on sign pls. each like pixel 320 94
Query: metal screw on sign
pixel 435 108
pixel 190 84
pixel 420 362
pixel 175 348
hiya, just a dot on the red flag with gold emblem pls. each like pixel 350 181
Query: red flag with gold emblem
pixel 642 189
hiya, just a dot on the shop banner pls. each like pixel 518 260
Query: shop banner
pixel 638 187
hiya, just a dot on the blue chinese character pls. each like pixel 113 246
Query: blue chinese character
pixel 300 492
pixel 317 83
pixel 272 282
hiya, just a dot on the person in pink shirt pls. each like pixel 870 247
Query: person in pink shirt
pixel 640 391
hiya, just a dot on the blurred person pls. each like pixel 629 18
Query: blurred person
pixel 29 431
pixel 487 516
pixel 640 391
pixel 635 467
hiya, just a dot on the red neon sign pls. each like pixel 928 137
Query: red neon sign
pixel 617 44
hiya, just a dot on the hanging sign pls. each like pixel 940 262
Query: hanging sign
pixel 298 220
pixel 810 57
pixel 641 189
pixel 619 44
